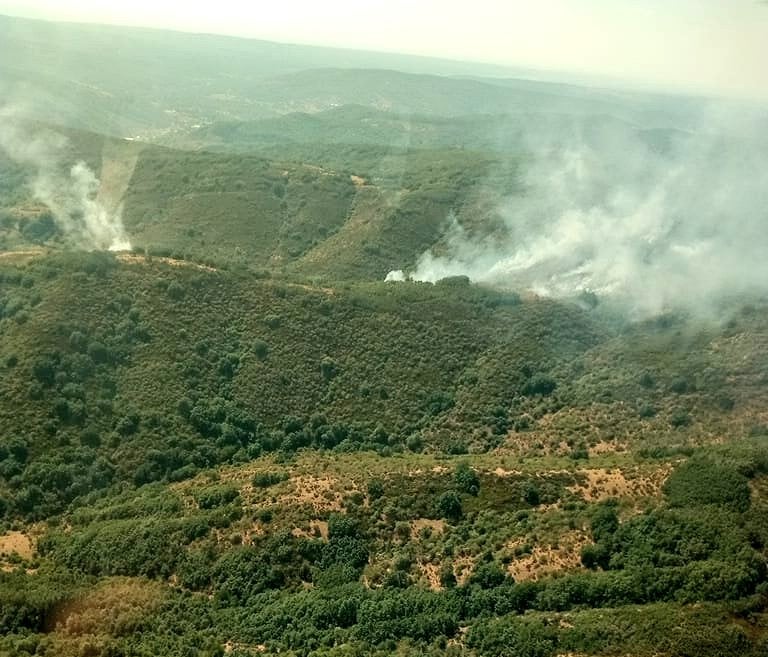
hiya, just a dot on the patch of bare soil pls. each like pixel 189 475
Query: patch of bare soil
pixel 310 288
pixel 321 493
pixel 232 646
pixel 317 169
pixel 548 559
pixel 431 575
pixel 437 526
pixel 317 528
pixel 437 469
pixel 501 472
pixel 252 533
pixel 29 210
pixel 584 654
pixel 602 484
pixel 462 568
pixel 20 256
pixel 606 447
pixel 16 543
pixel 138 259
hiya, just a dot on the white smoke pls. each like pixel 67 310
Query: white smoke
pixel 663 225
pixel 70 192
pixel 395 276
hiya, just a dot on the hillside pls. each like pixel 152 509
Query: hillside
pixel 471 363
pixel 272 443
pixel 378 211
pixel 347 194
pixel 397 130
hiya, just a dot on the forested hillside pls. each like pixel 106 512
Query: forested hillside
pixel 438 457
pixel 356 217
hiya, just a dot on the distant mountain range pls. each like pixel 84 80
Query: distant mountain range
pixel 145 83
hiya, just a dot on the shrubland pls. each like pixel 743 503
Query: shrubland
pixel 270 464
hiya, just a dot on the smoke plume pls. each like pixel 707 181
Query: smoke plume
pixel 70 191
pixel 661 218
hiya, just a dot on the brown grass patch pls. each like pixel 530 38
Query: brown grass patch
pixel 430 573
pixel 316 528
pixel 138 259
pixel 17 543
pixel 462 568
pixel 321 493
pixel 602 484
pixel 437 526
pixel 548 559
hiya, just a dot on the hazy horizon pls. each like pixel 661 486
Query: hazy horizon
pixel 700 46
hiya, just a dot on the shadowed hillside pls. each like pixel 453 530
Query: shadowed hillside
pixel 146 351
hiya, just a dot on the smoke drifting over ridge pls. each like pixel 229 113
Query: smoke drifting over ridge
pixel 69 191
pixel 660 218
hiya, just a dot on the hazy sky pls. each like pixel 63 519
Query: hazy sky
pixel 713 45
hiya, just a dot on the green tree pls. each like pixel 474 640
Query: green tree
pixel 449 505
pixel 466 479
